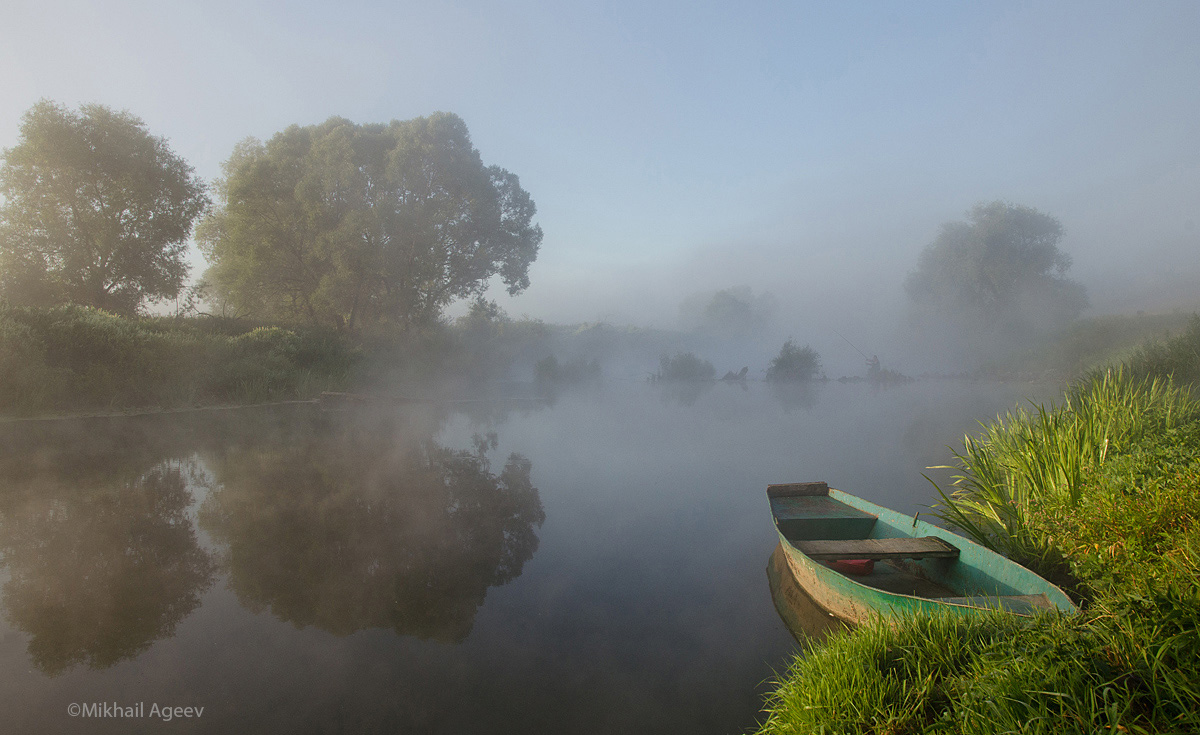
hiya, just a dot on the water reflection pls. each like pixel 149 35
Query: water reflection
pixel 102 560
pixel 795 396
pixel 342 521
pixel 683 393
pixel 372 526
pixel 804 618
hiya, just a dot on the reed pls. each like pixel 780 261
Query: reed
pixel 1103 488
pixel 1032 459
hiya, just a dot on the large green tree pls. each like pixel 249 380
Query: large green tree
pixel 96 211
pixel 347 224
pixel 999 272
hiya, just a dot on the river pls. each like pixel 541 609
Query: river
pixel 593 563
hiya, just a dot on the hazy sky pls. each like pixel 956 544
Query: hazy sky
pixel 806 149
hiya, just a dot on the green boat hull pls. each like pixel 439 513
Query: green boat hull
pixel 978 579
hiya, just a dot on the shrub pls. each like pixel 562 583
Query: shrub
pixel 685 366
pixel 78 358
pixel 794 364
pixel 1177 358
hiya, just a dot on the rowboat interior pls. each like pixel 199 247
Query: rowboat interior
pixel 880 552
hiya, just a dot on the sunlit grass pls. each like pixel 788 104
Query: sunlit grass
pixel 1100 492
pixel 1130 663
pixel 1043 457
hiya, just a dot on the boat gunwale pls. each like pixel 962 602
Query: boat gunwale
pixel 826 574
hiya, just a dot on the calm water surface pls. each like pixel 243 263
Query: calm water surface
pixel 595 564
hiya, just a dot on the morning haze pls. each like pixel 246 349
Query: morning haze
pixel 808 152
pixel 419 366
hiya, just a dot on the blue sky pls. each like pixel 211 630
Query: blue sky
pixel 801 148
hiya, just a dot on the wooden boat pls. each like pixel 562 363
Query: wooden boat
pixel 917 566
pixel 804 618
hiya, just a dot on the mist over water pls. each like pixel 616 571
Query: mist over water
pixel 712 181
pixel 595 563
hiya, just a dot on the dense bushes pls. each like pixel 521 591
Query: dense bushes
pixel 72 358
pixel 794 364
pixel 685 367
pixel 1178 357
pixel 1092 344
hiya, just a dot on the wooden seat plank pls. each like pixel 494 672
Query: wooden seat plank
pixel 878 548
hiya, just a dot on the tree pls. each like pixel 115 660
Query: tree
pixel 1000 272
pixel 733 312
pixel 345 224
pixel 794 364
pixel 685 366
pixel 97 211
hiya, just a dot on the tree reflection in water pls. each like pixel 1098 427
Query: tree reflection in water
pixel 102 560
pixel 372 526
pixel 341 522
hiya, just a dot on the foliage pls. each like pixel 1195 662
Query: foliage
pixel 794 363
pixel 343 224
pixel 1092 344
pixel 999 274
pixel 1129 665
pixel 22 363
pixel 96 211
pixel 1027 460
pixel 78 358
pixel 730 313
pixel 1178 357
pixel 684 366
pixel 1103 489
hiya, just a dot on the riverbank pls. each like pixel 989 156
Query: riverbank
pixel 80 360
pixel 1090 344
pixel 1101 494
pixel 70 360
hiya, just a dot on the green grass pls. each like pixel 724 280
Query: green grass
pixel 1089 344
pixel 1178 357
pixel 1101 494
pixel 1032 460
pixel 1128 665
pixel 71 359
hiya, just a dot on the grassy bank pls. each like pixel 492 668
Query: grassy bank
pixel 70 360
pixel 1089 344
pixel 1100 493
pixel 74 359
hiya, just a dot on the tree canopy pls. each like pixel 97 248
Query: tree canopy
pixel 732 312
pixel 794 363
pixel 1001 270
pixel 346 224
pixel 96 211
